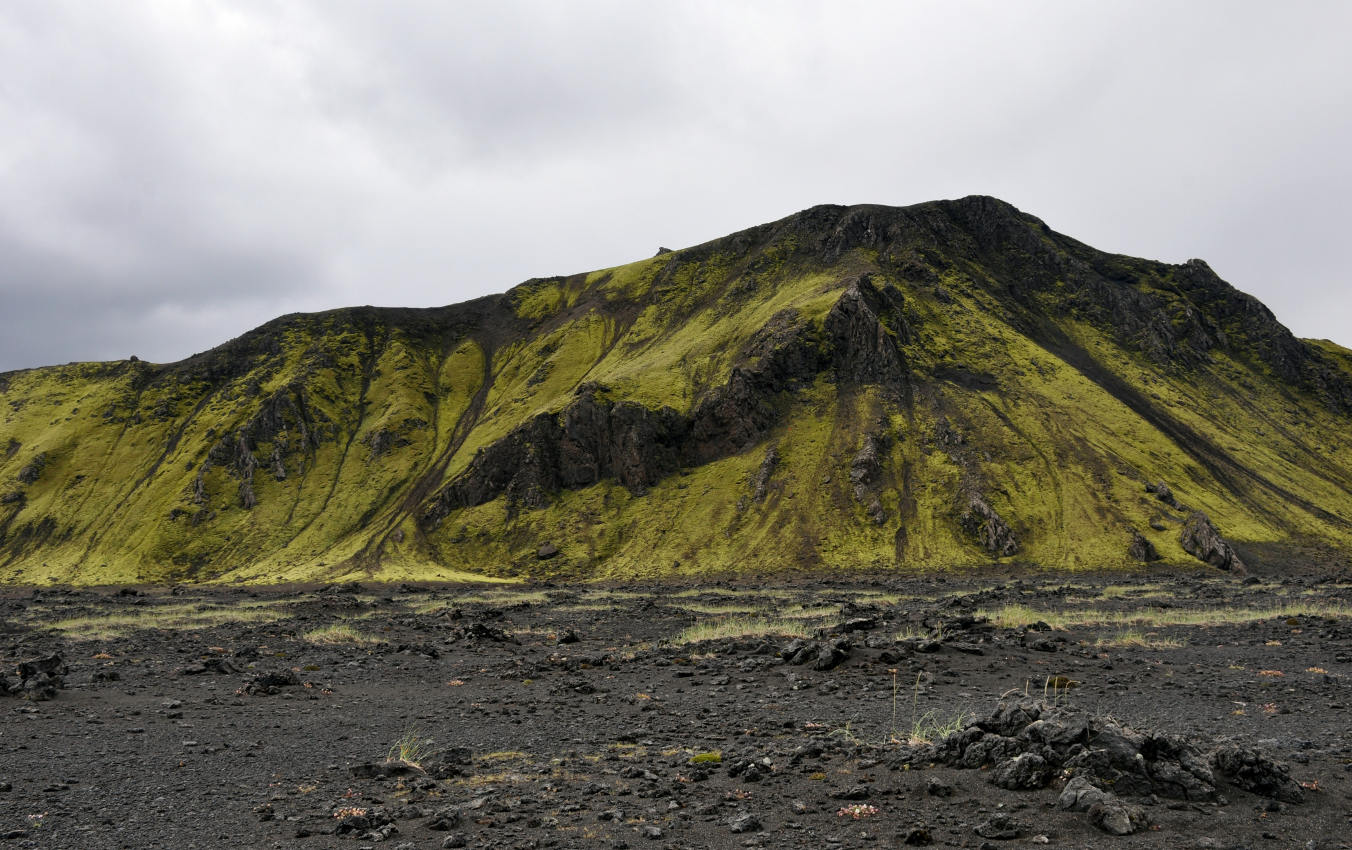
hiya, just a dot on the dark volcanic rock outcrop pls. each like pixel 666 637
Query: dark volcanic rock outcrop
pixel 987 527
pixel 866 472
pixel 592 439
pixel 596 439
pixel 1141 549
pixel 1201 540
pixel 1026 743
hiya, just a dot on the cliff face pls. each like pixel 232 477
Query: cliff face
pixel 941 385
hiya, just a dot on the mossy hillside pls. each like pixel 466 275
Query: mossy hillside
pixel 665 362
pixel 1062 416
pixel 692 522
pixel 139 521
pixel 1284 455
pixel 699 522
pixel 690 324
pixel 536 376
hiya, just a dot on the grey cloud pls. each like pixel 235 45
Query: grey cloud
pixel 57 311
pixel 174 171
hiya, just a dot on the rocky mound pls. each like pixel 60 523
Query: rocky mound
pixel 1099 765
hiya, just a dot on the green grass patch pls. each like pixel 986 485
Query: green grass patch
pixel 1019 616
pixel 178 617
pixel 736 627
pixel 412 748
pixel 936 725
pixel 809 612
pixel 756 593
pixel 338 633
pixel 1140 640
pixel 503 597
pixel 730 608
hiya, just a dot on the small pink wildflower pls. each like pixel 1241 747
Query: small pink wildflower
pixel 857 811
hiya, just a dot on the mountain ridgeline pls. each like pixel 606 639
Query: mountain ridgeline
pixel 939 386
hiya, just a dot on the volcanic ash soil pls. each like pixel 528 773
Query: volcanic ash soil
pixel 1152 711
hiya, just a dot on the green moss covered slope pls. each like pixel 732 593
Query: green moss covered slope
pixel 929 387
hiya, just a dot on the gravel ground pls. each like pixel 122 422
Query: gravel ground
pixel 1209 711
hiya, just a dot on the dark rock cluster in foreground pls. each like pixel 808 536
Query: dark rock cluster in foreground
pixel 1100 765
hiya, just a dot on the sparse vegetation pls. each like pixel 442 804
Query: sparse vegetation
pixel 932 725
pixel 339 633
pixel 1140 639
pixel 412 748
pixel 705 608
pixel 188 616
pixel 503 597
pixel 1020 616
pixel 735 627
pixel 935 726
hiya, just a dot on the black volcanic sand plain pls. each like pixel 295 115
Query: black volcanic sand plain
pixel 1210 711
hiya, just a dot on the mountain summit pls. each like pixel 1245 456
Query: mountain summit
pixel 936 386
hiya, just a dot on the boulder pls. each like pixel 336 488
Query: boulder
pixel 1024 772
pixel 39 678
pixel 1141 549
pixel 982 522
pixel 1027 741
pixel 1080 795
pixel 1252 771
pixel 1002 828
pixel 1200 539
pixel 1116 817
pixel 1163 493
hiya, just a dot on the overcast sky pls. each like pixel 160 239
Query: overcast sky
pixel 173 173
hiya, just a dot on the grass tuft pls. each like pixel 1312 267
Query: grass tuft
pixel 735 627
pixel 338 633
pixel 1141 640
pixel 412 748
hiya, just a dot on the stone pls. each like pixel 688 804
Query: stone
pixel 857 624
pixel 830 655
pixel 981 521
pixel 760 485
pixel 1080 795
pixel 1024 772
pixel 1002 827
pixel 39 678
pixel 1200 539
pixel 1254 772
pixel 1028 741
pixel 1115 817
pixel 744 822
pixel 272 683
pixel 1141 549
pixel 938 788
pixel 1163 493
pixel 866 471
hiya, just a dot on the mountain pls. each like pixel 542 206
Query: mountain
pixel 937 386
